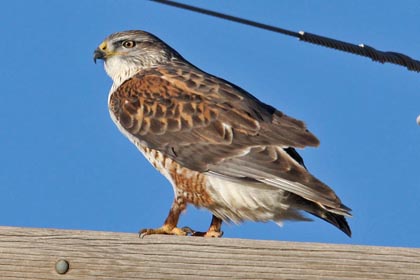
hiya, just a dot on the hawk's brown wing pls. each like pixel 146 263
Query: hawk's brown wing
pixel 209 125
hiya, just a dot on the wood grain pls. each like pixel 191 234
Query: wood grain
pixel 30 253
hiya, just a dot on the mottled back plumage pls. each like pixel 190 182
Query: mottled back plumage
pixel 219 146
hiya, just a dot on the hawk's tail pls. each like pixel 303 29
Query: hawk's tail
pixel 335 219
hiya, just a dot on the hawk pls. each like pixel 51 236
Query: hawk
pixel 220 147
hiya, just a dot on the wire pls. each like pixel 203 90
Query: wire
pixel 362 50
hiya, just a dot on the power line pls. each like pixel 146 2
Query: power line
pixel 362 50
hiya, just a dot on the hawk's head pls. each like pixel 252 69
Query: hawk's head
pixel 126 53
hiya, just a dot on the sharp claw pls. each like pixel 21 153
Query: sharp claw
pixel 188 230
pixel 143 233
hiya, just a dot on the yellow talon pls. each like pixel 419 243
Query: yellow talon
pixel 210 233
pixel 165 230
pixel 213 233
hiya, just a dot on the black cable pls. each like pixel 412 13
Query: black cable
pixel 363 50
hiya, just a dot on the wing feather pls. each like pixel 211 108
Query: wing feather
pixel 208 124
pixel 164 102
pixel 274 166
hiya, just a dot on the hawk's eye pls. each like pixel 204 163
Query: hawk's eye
pixel 128 44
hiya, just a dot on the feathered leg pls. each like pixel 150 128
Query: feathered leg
pixel 169 226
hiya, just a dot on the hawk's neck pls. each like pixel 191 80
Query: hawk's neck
pixel 121 75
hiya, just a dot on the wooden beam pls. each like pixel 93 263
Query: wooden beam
pixel 30 253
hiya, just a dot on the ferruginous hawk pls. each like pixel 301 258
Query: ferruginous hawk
pixel 219 146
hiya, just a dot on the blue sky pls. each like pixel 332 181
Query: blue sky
pixel 65 165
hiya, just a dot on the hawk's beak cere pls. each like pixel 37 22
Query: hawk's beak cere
pixel 100 52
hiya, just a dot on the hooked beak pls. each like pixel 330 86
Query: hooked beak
pixel 98 54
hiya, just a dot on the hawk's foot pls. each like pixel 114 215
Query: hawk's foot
pixel 166 230
pixel 214 229
pixel 210 233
